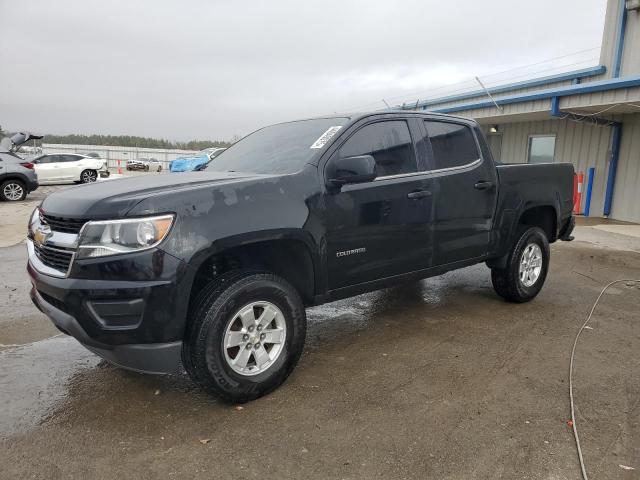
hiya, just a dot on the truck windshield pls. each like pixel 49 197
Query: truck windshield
pixel 278 149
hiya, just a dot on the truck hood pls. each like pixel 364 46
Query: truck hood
pixel 114 198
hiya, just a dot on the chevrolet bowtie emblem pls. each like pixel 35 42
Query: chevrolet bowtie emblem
pixel 42 234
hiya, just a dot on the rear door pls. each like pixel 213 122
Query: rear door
pixel 465 191
pixel 380 228
pixel 70 167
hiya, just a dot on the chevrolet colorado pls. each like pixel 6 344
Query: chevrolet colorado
pixel 213 269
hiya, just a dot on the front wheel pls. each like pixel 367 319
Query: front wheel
pixel 526 268
pixel 88 176
pixel 246 333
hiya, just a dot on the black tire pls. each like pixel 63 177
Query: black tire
pixel 13 191
pixel 507 282
pixel 88 176
pixel 159 168
pixel 203 355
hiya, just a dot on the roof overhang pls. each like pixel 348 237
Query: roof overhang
pixel 574 75
pixel 547 94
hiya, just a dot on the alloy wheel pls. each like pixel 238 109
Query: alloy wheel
pixel 530 265
pixel 13 191
pixel 89 176
pixel 254 338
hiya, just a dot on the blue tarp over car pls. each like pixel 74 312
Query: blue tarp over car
pixel 188 164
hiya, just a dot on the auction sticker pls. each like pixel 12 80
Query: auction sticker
pixel 325 137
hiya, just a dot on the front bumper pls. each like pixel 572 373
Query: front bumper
pixel 135 166
pixel 158 358
pixel 134 316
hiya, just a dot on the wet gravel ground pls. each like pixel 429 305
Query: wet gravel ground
pixel 435 379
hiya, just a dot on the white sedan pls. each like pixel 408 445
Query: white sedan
pixel 69 167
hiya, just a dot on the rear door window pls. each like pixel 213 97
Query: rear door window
pixel 453 144
pixel 388 142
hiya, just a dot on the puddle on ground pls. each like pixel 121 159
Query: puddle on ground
pixel 35 377
pixel 55 377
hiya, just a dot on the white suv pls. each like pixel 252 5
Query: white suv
pixel 69 167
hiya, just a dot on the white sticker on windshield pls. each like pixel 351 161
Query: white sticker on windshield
pixel 325 137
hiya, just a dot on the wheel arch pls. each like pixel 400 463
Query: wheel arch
pixel 289 254
pixel 14 176
pixel 544 216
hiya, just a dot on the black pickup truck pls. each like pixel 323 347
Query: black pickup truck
pixel 213 269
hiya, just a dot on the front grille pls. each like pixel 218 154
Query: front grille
pixel 57 258
pixel 64 225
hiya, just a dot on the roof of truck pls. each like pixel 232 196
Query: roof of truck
pixel 353 116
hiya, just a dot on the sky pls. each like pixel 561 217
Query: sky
pixel 197 69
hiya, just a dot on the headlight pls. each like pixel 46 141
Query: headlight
pixel 34 222
pixel 111 237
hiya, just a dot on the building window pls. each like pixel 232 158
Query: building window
pixel 541 148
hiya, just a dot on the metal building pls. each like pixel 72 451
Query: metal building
pixel 589 117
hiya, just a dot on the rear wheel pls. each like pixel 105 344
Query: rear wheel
pixel 526 270
pixel 246 333
pixel 13 191
pixel 88 176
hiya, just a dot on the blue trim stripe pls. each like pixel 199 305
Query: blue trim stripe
pixel 590 87
pixel 622 26
pixel 535 82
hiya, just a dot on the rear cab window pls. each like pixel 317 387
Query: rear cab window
pixel 453 144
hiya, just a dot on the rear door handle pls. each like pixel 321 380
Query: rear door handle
pixel 483 185
pixel 418 194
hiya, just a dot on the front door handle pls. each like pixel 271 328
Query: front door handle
pixel 418 194
pixel 483 185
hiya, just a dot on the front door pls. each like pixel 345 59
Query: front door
pixel 47 168
pixel 380 228
pixel 465 192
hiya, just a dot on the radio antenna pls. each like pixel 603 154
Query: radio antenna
pixel 488 94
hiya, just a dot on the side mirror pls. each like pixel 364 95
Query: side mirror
pixel 359 169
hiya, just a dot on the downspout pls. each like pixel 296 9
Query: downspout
pixel 616 127
pixel 616 133
pixel 616 137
